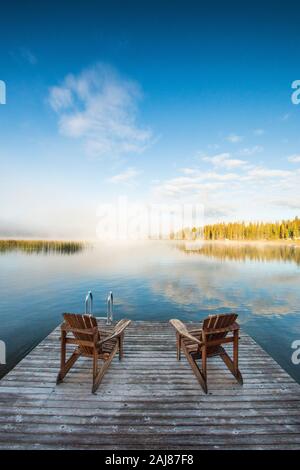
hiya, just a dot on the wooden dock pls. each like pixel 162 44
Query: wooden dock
pixel 149 400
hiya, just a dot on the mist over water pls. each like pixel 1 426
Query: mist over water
pixel 154 281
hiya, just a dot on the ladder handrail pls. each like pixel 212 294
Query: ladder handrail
pixel 89 303
pixel 110 303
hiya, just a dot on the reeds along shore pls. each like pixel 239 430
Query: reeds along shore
pixel 42 246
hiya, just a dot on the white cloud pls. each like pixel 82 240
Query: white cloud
pixel 234 138
pixel 252 150
pixel 189 171
pixel 266 173
pixel 175 187
pixel 127 175
pixel 197 182
pixel 233 163
pixel 236 189
pixel 216 159
pixel 60 98
pixel 100 108
pixel 223 160
pixel 294 158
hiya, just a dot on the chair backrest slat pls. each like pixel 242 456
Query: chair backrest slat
pixel 214 322
pixel 81 322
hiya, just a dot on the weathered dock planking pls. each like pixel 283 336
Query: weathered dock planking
pixel 149 400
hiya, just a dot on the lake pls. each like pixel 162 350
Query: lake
pixel 154 281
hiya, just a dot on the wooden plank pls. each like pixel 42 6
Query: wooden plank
pixel 149 400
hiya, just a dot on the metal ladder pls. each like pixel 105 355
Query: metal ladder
pixel 110 303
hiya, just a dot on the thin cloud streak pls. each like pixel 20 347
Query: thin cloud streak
pixel 234 138
pixel 224 160
pixel 127 176
pixel 294 159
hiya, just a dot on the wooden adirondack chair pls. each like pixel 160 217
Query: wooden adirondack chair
pixel 89 341
pixel 206 342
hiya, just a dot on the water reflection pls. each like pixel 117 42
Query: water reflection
pixel 213 279
pixel 244 252
pixel 154 281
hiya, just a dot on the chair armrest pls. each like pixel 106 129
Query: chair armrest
pixel 182 331
pixel 121 326
pixel 118 330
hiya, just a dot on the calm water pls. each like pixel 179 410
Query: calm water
pixel 154 281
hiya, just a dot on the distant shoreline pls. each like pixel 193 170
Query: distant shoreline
pixel 242 242
pixel 38 242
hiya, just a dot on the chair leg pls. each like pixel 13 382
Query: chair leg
pixel 178 346
pixel 199 375
pixel 204 362
pixel 121 350
pixel 97 378
pixel 65 366
pixel 232 367
pixel 95 365
pixel 236 351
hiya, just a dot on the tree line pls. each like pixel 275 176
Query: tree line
pixel 284 230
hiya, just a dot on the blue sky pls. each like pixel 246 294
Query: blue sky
pixel 160 101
